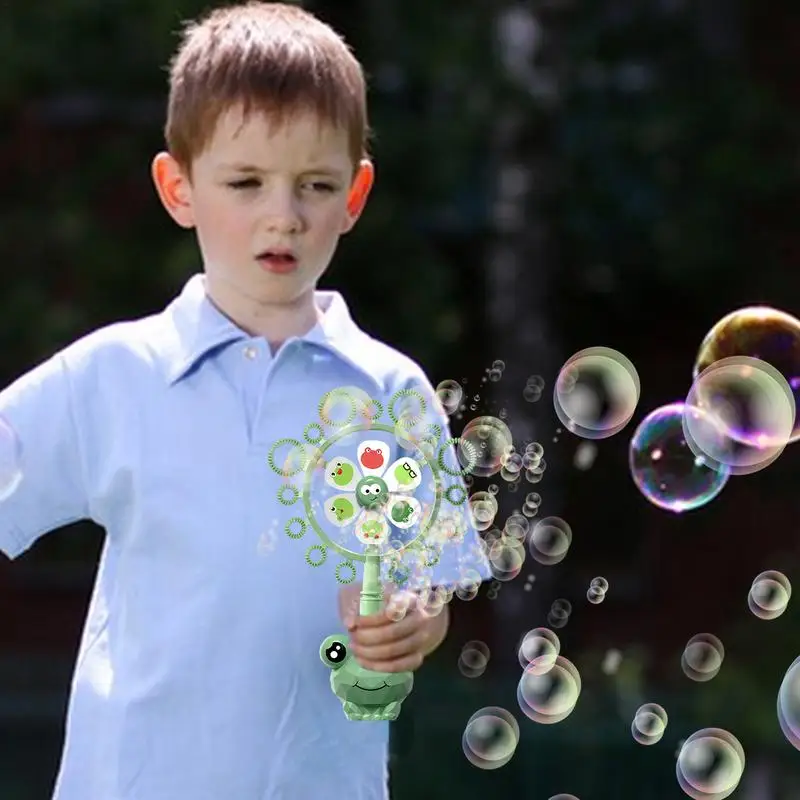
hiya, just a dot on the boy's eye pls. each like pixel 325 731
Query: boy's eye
pixel 322 186
pixel 245 183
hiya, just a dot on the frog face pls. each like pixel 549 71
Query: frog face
pixel 372 493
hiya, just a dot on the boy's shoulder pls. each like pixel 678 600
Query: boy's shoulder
pixel 392 367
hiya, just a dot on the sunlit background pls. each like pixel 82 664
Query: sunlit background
pixel 571 195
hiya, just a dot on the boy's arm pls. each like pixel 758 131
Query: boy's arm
pixel 42 483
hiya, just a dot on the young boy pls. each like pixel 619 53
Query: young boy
pixel 198 675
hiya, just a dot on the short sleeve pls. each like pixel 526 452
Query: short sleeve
pixel 41 468
pixel 455 550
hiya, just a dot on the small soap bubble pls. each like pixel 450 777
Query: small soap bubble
pixel 599 583
pixel 483 509
pixel 538 647
pixel 611 661
pixel 468 585
pixel 535 449
pixel 449 394
pixel 506 558
pixel 702 657
pixel 550 540
pixel 758 332
pixel 649 724
pixel 595 596
pixel 474 658
pixel 490 738
pixel 789 704
pixel 596 393
pixel 585 455
pixel 495 375
pixel 483 445
pixel 710 764
pixel 549 697
pixel 665 468
pixel 536 382
pixel 769 595
pixel 557 618
pixel 493 488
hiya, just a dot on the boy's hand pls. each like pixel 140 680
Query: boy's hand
pixel 383 645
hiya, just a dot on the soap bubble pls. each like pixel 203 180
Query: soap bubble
pixel 789 704
pixel 474 658
pixel 649 724
pixel 596 393
pixel 756 332
pixel 665 468
pixel 549 697
pixel 10 461
pixel 769 595
pixel 702 657
pixel 710 764
pixel 449 394
pixel 550 540
pixel 751 403
pixel 490 738
pixel 538 650
pixel 483 509
pixel 483 445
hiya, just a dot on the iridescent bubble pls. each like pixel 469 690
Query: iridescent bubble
pixel 550 540
pixel 549 697
pixel 490 738
pixel 468 585
pixel 516 527
pixel 649 724
pixel 506 558
pixel 483 509
pixel 753 406
pixel 664 467
pixel 596 393
pixel 535 449
pixel 789 704
pixel 757 332
pixel 769 595
pixel 474 658
pixel 483 446
pixel 449 394
pixel 702 657
pixel 10 461
pixel 710 764
pixel 538 650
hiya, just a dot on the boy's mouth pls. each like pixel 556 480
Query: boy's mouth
pixel 279 262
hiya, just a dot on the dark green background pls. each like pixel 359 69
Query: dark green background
pixel 664 194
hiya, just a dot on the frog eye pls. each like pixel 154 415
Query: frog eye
pixel 366 489
pixel 333 651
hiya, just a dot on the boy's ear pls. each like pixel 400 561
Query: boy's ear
pixel 173 189
pixel 359 192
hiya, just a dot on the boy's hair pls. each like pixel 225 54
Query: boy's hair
pixel 269 57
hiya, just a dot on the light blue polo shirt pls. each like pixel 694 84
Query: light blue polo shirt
pixel 198 675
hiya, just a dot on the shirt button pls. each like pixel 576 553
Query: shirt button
pixel 250 352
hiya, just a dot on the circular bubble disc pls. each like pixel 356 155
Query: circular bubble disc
pixel 506 557
pixel 483 446
pixel 538 650
pixel 483 509
pixel 549 697
pixel 560 604
pixel 10 461
pixel 758 332
pixel 595 595
pixel 557 618
pixel 550 540
pixel 599 583
pixel 649 724
pixel 490 738
pixel 516 527
pixel 710 764
pixel 664 467
pixel 769 595
pixel 468 585
pixel 702 657
pixel 789 704
pixel 449 395
pixel 596 393
pixel 474 658
pixel 752 405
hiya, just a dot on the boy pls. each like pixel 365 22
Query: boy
pixel 198 675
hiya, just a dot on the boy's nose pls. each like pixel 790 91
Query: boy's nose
pixel 282 215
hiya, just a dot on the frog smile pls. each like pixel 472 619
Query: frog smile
pixel 370 690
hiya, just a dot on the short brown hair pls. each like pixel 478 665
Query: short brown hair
pixel 270 57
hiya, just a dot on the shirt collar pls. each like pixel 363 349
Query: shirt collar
pixel 197 327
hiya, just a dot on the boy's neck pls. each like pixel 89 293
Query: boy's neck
pixel 274 322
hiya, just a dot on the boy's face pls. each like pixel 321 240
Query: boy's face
pixel 268 203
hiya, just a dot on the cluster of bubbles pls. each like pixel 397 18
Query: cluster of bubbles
pixel 702 657
pixel 710 764
pixel 473 659
pixel 769 595
pixel 596 592
pixel 736 419
pixel 649 724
